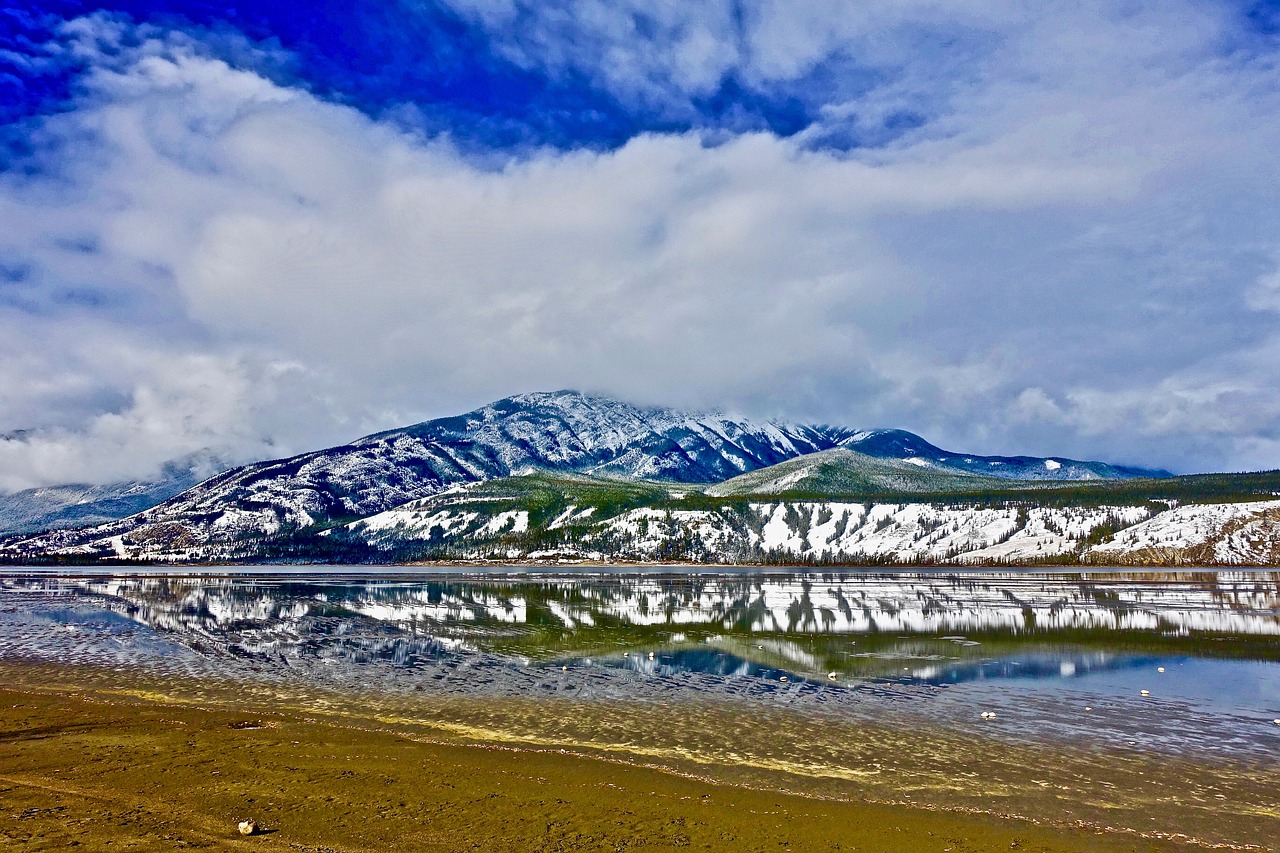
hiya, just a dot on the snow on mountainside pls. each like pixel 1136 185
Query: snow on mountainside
pixel 79 504
pixel 533 518
pixel 844 471
pixel 562 431
pixel 470 523
pixel 898 444
pixel 1208 533
pixel 566 430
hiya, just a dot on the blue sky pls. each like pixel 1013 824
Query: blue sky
pixel 467 74
pixel 259 228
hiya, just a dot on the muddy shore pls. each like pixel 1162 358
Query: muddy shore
pixel 100 759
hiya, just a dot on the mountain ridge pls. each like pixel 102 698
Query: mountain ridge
pixel 73 505
pixel 844 471
pixel 549 518
pixel 900 444
pixel 562 431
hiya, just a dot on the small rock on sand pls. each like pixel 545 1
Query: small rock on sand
pixel 248 827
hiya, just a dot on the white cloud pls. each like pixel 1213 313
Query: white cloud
pixel 176 406
pixel 1069 259
pixel 1265 294
pixel 1034 405
pixel 656 53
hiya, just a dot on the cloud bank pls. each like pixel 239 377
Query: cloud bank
pixel 1047 230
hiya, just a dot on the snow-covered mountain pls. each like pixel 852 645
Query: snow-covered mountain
pixel 538 517
pixel 899 444
pixel 81 504
pixel 562 431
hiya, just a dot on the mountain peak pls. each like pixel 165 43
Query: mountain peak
pixel 896 443
pixel 543 398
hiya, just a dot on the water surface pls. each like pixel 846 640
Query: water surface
pixel 1053 656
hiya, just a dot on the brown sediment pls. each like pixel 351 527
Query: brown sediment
pixel 90 757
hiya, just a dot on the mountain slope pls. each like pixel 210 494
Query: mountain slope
pixel 560 431
pixel 544 517
pixel 234 512
pixel 844 472
pixel 539 502
pixel 80 504
pixel 899 444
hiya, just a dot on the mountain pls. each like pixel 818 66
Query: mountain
pixel 559 431
pixel 80 504
pixel 845 472
pixel 899 444
pixel 233 513
pixel 551 507
pixel 557 517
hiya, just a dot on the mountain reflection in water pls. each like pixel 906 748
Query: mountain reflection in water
pixel 935 628
pixel 1238 602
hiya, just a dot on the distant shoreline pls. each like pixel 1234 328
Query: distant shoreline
pixel 620 566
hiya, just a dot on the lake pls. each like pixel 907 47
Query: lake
pixel 1131 704
pixel 1022 656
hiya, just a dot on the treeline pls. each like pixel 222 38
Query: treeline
pixel 1153 493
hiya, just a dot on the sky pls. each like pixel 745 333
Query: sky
pixel 260 228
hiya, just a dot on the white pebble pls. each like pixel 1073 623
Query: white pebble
pixel 1160 669
pixel 833 675
pixel 783 678
pixel 1146 692
pixel 1088 707
pixel 248 827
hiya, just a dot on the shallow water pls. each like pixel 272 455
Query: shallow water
pixel 1059 657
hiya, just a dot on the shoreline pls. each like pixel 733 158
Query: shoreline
pixel 618 567
pixel 862 787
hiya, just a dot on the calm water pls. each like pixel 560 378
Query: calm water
pixel 1057 656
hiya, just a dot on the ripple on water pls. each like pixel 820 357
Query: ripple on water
pixel 1036 650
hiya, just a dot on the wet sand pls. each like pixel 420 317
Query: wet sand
pixel 109 759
